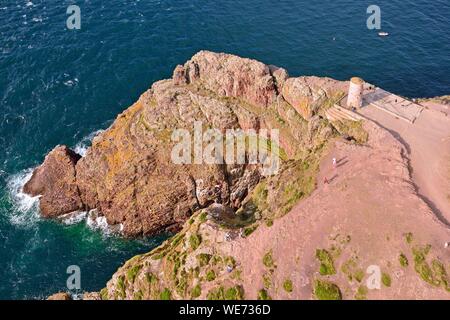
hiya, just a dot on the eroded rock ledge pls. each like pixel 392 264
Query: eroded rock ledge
pixel 128 175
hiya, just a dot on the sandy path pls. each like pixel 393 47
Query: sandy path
pixel 370 199
pixel 428 145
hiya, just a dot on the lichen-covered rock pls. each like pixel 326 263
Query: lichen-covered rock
pixel 231 76
pixel 92 296
pixel 308 94
pixel 55 182
pixel 63 296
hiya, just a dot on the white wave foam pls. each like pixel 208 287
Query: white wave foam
pixel 73 217
pixel 82 146
pixel 25 207
pixel 98 222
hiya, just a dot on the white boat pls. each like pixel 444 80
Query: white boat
pixel 383 34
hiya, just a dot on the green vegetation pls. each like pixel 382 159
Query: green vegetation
pixel 216 294
pixel 248 231
pixel 138 295
pixel 287 285
pixel 403 260
pixel 409 237
pixel 132 273
pixel 203 259
pixel 386 279
pixel 421 266
pixel 195 240
pixel 353 130
pixel 361 294
pixel 196 291
pixel 234 293
pixel 324 290
pixel 326 262
pixel 435 275
pixel 210 275
pixel 351 269
pixel 203 217
pixel 104 294
pixel 263 295
pixel 120 287
pixel 268 260
pixel 260 196
pixel 267 280
pixel 165 294
pixel 440 273
pixel 151 278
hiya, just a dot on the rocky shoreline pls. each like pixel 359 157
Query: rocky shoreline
pixel 342 204
pixel 127 174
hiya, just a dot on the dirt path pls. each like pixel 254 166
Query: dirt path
pixel 428 144
pixel 364 213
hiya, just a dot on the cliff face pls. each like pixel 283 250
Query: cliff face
pixel 366 227
pixel 128 174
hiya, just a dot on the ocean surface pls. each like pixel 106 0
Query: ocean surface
pixel 60 86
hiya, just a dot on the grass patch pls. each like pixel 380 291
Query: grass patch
pixel 352 130
pixel 194 241
pixel 267 280
pixel 210 275
pixel 203 259
pixel 409 237
pixel 216 294
pixel 166 294
pixel 132 273
pixel 234 293
pixel 249 230
pixel 104 294
pixel 268 260
pixel 326 262
pixel 361 293
pixel 403 260
pixel 263 295
pixel 386 279
pixel 120 291
pixel 138 295
pixel 324 290
pixel 440 273
pixel 421 265
pixel 288 286
pixel 351 269
pixel 196 291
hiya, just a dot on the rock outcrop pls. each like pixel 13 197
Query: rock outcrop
pixel 60 296
pixel 308 94
pixel 55 182
pixel 128 173
pixel 335 242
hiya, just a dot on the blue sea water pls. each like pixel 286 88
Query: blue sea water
pixel 58 86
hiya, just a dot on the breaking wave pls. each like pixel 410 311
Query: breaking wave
pixel 82 146
pixel 25 207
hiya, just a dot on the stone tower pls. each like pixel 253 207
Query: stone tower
pixel 355 93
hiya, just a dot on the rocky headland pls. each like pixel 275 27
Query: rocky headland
pixel 314 230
